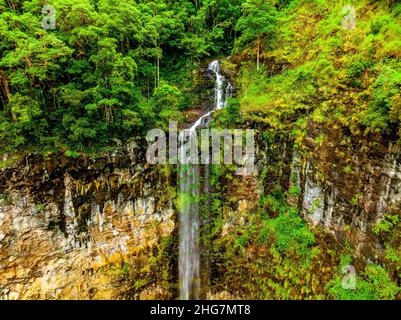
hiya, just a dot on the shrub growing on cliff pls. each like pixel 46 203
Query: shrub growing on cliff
pixel 291 232
pixel 383 108
pixel 386 225
pixel 371 284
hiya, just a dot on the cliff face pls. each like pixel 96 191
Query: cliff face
pixel 98 228
pixel 347 186
pixel 68 227
pixel 106 227
pixel 343 187
pixel 93 228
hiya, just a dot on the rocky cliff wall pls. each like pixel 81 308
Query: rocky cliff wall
pixel 67 225
pixel 347 186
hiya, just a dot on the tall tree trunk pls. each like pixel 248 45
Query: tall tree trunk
pixel 157 64
pixel 258 54
pixel 158 71
pixel 155 74
pixel 4 89
pixel 148 87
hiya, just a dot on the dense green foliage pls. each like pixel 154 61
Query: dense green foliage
pixel 113 70
pixel 109 70
pixel 256 25
pixel 312 73
pixel 371 284
pixel 314 70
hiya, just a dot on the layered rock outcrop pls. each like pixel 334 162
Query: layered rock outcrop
pixel 65 223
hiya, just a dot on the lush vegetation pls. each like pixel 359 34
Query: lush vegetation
pixel 113 70
pixel 109 70
pixel 273 254
pixel 315 70
pixel 303 71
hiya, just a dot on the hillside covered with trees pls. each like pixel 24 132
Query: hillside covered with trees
pixel 106 71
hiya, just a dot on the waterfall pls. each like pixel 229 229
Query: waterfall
pixel 190 190
pixel 218 88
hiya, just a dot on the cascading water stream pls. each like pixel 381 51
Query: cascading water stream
pixel 189 251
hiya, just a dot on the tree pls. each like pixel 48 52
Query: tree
pixel 256 25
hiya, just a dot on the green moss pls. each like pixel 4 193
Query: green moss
pixel 10 161
pixel 386 225
pixel 40 207
pixel 5 198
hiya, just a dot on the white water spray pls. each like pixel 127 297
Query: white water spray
pixel 189 251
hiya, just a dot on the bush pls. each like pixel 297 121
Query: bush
pixel 290 233
pixel 372 284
